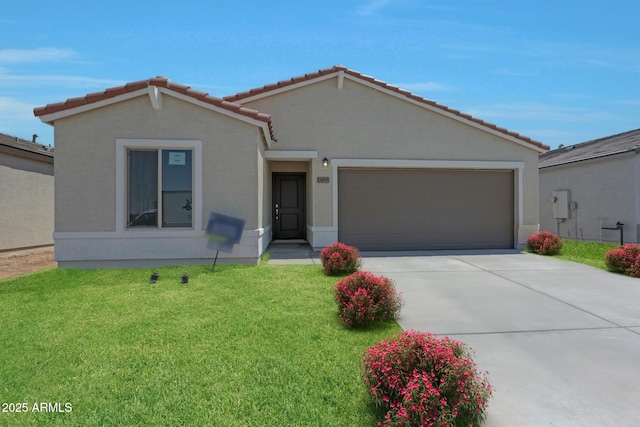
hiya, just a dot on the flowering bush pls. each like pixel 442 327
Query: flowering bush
pixel 625 260
pixel 616 260
pixel 544 243
pixel 364 298
pixel 338 258
pixel 422 380
pixel 634 270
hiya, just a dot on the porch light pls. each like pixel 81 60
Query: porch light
pixel 325 162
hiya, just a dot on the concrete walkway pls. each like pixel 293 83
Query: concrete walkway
pixel 560 340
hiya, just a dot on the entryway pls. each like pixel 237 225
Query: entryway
pixel 289 199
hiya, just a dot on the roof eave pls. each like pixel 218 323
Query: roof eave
pixel 232 110
pixel 62 113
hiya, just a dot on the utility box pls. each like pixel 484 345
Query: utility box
pixel 560 204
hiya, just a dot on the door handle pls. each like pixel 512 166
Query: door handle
pixel 277 212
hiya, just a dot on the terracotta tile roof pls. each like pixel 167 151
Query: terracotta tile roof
pixel 158 82
pixel 608 146
pixel 310 76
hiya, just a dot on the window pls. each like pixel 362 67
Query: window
pixel 150 177
pixel 160 188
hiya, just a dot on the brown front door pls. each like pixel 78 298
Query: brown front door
pixel 289 219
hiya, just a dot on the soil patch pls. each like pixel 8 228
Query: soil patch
pixel 14 264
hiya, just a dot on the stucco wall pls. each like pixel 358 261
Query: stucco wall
pixel 26 196
pixel 605 190
pixel 361 122
pixel 85 148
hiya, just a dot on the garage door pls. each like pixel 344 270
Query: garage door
pixel 400 209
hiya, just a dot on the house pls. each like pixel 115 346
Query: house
pixel 26 194
pixel 588 188
pixel 333 155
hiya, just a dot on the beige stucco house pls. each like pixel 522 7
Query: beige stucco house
pixel 26 194
pixel 329 156
pixel 587 188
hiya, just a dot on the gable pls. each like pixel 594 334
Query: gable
pixel 155 89
pixel 357 120
pixel 340 74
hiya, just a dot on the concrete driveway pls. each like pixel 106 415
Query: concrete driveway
pixel 561 340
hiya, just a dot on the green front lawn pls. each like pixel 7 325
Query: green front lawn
pixel 590 253
pixel 241 346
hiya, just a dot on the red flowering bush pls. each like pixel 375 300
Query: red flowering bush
pixel 364 298
pixel 422 380
pixel 634 270
pixel 625 260
pixel 544 243
pixel 338 258
pixel 616 260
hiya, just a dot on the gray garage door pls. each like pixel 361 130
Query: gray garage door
pixel 399 209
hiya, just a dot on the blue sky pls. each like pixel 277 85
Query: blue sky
pixel 560 72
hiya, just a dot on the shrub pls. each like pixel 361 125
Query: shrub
pixel 625 260
pixel 339 258
pixel 422 380
pixel 364 298
pixel 632 250
pixel 634 269
pixel 615 259
pixel 544 243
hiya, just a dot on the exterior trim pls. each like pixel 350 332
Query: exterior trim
pixel 291 155
pixel 95 249
pixel 320 237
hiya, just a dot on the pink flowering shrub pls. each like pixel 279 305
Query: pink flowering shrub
pixel 422 380
pixel 616 260
pixel 364 298
pixel 338 258
pixel 544 243
pixel 625 260
pixel 634 270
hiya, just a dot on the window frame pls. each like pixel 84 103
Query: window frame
pixel 123 146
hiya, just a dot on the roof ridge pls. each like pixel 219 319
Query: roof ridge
pixel 337 68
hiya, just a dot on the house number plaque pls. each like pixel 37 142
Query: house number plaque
pixel 323 180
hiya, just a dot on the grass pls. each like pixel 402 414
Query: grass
pixel 241 346
pixel 590 253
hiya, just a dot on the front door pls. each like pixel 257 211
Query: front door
pixel 289 219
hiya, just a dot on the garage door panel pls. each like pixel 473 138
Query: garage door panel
pixel 425 209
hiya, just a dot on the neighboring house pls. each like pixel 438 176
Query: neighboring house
pixel 590 186
pixel 26 194
pixel 329 156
